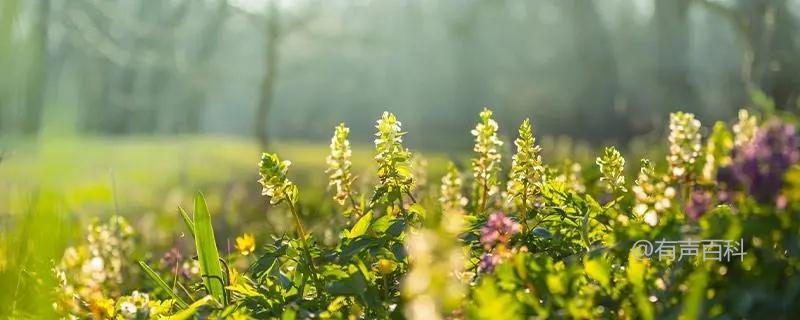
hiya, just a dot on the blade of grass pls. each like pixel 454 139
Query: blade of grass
pixel 187 219
pixel 160 282
pixel 207 253
pixel 188 312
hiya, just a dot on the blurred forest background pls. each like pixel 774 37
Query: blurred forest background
pixel 267 70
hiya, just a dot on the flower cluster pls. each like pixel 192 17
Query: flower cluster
pixel 486 166
pixel 652 194
pixel 745 129
pixel 339 171
pixel 174 261
pixel 759 166
pixel 274 181
pixel 90 275
pixel 495 236
pixel 684 145
pixel 394 160
pixel 699 203
pixel 526 169
pixel 450 197
pixel 612 165
pixel 139 306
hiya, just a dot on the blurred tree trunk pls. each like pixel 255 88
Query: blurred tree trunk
pixel 774 66
pixel 672 55
pixel 767 31
pixel 597 81
pixel 208 46
pixel 469 94
pixel 8 18
pixel 271 56
pixel 37 86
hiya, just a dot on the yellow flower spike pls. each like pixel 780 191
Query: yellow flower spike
pixel 246 244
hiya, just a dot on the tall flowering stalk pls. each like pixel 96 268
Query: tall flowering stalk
pixel 486 166
pixel 394 161
pixel 450 197
pixel 526 174
pixel 745 128
pixel 276 185
pixel 612 165
pixel 652 194
pixel 339 170
pixel 684 145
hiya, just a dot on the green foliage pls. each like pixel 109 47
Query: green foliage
pixel 163 285
pixel 207 254
pixel 407 255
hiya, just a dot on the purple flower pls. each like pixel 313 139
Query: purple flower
pixel 172 260
pixel 699 202
pixel 498 229
pixel 488 262
pixel 759 167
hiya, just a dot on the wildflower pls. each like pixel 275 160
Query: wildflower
pixel 246 244
pixel 487 263
pixel 486 166
pixel 652 194
pixel 498 230
pixel 450 197
pixel 172 260
pixel 274 181
pixel 745 129
pixel 699 203
pixel 718 149
pixel 611 166
pixel 526 169
pixel 385 266
pixel 394 167
pixel 684 144
pixel 759 167
pixel 340 175
pixel 128 310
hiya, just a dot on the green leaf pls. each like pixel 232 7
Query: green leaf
pixel 693 305
pixel 396 228
pixel 207 253
pixel 418 209
pixel 355 247
pixel 542 232
pixel 265 263
pixel 361 226
pixel 380 225
pixel 599 270
pixel 189 312
pixel 187 219
pixel 160 282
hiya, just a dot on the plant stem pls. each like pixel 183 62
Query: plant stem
pixel 484 195
pixel 524 212
pixel 301 232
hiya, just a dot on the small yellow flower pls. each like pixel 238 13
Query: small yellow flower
pixel 246 244
pixel 385 266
